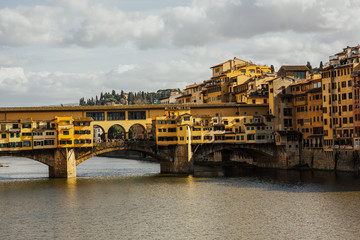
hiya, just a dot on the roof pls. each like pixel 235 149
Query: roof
pixel 270 80
pixel 301 82
pixel 182 96
pixel 226 62
pixel 357 68
pixel 195 85
pixel 294 68
pixel 164 98
pixel 340 53
pixel 83 119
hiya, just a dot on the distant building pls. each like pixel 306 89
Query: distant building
pixel 174 94
pixel 297 72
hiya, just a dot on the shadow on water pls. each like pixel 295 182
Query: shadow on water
pixel 282 180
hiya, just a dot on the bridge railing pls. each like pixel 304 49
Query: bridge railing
pixel 124 144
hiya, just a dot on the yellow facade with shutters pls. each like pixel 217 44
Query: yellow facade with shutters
pixel 83 132
pixel 256 127
pixel 65 132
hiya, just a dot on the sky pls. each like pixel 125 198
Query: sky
pixel 56 51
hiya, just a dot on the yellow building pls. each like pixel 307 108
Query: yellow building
pixel 178 126
pixel 65 132
pixel 10 139
pixel 192 94
pixel 44 135
pixel 227 76
pixel 83 132
pixel 338 106
pixel 307 112
pixel 26 133
pixel 281 102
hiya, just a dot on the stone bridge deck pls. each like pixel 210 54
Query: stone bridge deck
pixel 62 162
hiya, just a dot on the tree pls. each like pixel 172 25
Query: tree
pixel 116 132
pixel 321 65
pixel 82 102
pixel 309 65
pixel 272 68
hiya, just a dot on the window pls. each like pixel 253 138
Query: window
pixel 350 83
pixel 27 144
pixel 187 118
pixel 15 126
pixel 300 75
pixel 111 116
pixel 350 95
pixel 66 133
pixel 27 125
pixel 135 115
pixel 3 135
pixel 343 96
pixel 287 112
pixel 343 84
pixel 288 122
pixel 96 116
pixel 49 142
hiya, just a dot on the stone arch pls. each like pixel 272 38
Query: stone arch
pixel 99 134
pixel 45 156
pixel 148 151
pixel 137 131
pixel 234 152
pixel 118 133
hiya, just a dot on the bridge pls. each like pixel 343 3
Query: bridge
pixel 62 162
pixel 184 135
pixel 126 116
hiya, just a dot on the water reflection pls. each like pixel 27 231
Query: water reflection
pixel 131 200
pixel 328 180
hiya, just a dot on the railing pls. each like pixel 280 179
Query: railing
pixel 124 144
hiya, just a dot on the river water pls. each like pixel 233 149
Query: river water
pixel 127 199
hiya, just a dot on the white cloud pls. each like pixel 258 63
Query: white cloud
pixel 13 80
pixel 62 50
pixel 124 68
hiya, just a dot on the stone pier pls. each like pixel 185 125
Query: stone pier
pixel 64 164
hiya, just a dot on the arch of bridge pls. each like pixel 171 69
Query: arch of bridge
pixel 253 150
pixel 116 147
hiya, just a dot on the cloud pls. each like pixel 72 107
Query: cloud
pixel 21 88
pixel 29 25
pixel 62 50
pixel 87 24
pixel 124 68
